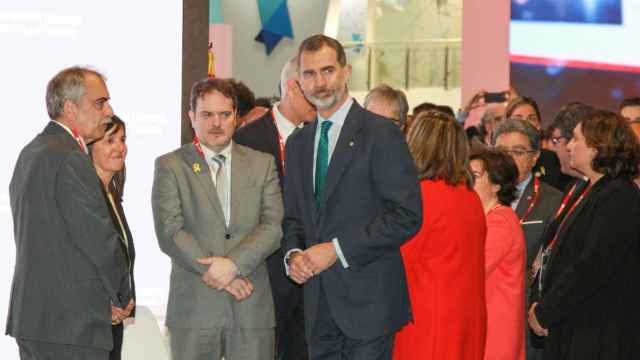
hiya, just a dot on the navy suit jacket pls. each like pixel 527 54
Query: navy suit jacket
pixel 371 204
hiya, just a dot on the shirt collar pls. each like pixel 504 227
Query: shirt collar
pixel 226 152
pixel 338 117
pixel 284 124
pixel 523 184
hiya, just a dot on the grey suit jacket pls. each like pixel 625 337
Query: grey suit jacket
pixel 190 224
pixel 69 262
pixel 540 216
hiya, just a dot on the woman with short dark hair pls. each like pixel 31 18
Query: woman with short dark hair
pixel 496 175
pixel 587 288
pixel 444 262
pixel 108 155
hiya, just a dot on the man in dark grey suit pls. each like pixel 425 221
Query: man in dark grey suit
pixel 217 208
pixel 71 278
pixel 351 199
pixel 537 201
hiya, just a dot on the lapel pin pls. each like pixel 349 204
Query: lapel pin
pixel 196 168
pixel 351 144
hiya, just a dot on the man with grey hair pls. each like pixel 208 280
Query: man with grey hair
pixel 270 134
pixel 536 201
pixel 388 102
pixel 71 279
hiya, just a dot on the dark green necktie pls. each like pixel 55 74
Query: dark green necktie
pixel 322 160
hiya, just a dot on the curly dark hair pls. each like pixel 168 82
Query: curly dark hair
pixel 502 170
pixel 618 151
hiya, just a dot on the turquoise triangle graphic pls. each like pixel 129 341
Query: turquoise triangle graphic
pixel 267 8
pixel 280 22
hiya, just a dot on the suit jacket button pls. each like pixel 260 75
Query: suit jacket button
pixel 227 236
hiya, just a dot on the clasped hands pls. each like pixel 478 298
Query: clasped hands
pixel 316 259
pixel 223 275
pixel 119 314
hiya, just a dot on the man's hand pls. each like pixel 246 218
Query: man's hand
pixel 118 314
pixel 534 324
pixel 299 271
pixel 221 271
pixel 240 288
pixel 320 257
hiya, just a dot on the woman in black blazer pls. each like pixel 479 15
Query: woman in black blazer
pixel 108 155
pixel 589 285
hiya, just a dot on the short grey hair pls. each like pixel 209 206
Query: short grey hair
pixel 289 71
pixel 520 126
pixel 392 96
pixel 68 84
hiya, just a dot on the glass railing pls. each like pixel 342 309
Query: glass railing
pixel 428 63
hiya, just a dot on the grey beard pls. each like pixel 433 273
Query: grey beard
pixel 322 104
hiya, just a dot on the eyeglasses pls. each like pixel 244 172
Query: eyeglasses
pixel 517 152
pixel 556 140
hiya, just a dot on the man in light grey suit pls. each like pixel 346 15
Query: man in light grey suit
pixel 71 277
pixel 217 208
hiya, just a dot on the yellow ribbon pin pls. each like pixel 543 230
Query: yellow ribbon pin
pixel 196 168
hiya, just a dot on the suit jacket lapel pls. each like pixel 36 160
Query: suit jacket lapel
pixel 241 178
pixel 343 151
pixel 307 167
pixel 200 169
pixel 525 199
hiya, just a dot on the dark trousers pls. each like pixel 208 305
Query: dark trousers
pixel 118 332
pixel 38 350
pixel 291 342
pixel 327 342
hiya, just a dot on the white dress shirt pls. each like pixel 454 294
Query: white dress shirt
pixel 284 125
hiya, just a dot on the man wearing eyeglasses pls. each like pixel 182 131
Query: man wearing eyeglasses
pixel 536 201
pixel 561 132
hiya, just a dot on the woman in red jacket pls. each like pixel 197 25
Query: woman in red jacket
pixel 496 175
pixel 444 262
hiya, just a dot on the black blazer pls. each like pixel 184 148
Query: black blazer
pixel 129 249
pixel 262 135
pixel 372 204
pixel 541 215
pixel 589 300
pixel 548 169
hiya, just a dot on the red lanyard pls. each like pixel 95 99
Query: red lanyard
pixel 573 207
pixel 196 143
pixel 280 141
pixel 565 200
pixel 78 139
pixel 534 199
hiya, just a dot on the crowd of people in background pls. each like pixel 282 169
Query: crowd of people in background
pixel 310 227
